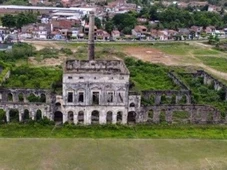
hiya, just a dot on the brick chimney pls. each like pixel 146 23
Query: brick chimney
pixel 91 42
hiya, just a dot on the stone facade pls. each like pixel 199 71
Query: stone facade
pixel 97 92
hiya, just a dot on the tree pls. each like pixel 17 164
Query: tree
pixel 98 23
pixel 124 20
pixel 109 26
pixel 9 21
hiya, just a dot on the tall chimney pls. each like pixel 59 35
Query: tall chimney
pixel 91 42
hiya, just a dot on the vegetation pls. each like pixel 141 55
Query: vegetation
pixel 113 131
pixel 31 77
pixel 19 20
pixel 204 94
pixel 218 63
pixel 147 76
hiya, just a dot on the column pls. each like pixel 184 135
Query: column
pixel 7 116
pixel 114 118
pixel 157 99
pixel 168 116
pixel 87 117
pixel 20 116
pixel 124 117
pixel 178 98
pixel 33 115
pixel 75 118
pixel 156 116
pixel 102 117
pixel 64 118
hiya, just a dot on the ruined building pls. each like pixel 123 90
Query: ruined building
pixel 97 91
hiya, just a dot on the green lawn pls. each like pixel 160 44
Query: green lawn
pixel 112 154
pixel 217 63
pixel 115 131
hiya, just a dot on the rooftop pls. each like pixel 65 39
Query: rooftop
pixel 96 66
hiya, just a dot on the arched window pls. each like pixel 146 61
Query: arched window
pixel 26 115
pixel 43 98
pixel 95 117
pixel 109 116
pixel 21 97
pixel 70 117
pixel 131 117
pixel 81 117
pixel 132 105
pixel 119 117
pixel 38 115
pixel 10 97
pixel 14 115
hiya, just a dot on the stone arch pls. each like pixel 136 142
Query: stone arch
pixel 150 115
pixel 43 98
pixel 58 117
pixel 26 115
pixel 109 117
pixel 21 97
pixel 132 104
pixel 166 99
pixel 32 98
pixel 152 99
pixel 10 97
pixel 95 117
pixel 119 117
pixel 3 116
pixel 183 100
pixel 38 115
pixel 70 117
pixel 14 115
pixel 80 117
pixel 131 117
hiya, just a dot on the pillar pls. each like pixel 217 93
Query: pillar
pixel 124 117
pixel 168 116
pixel 20 116
pixel 75 118
pixel 102 117
pixel 87 117
pixel 178 98
pixel 156 116
pixel 7 116
pixel 64 118
pixel 114 118
pixel 157 99
pixel 188 99
pixel 33 115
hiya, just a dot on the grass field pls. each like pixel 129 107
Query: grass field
pixel 161 131
pixel 112 154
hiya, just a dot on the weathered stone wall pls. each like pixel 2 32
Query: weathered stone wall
pixel 157 95
pixel 196 113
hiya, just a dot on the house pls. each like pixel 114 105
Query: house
pixel 196 31
pixel 210 30
pixel 159 34
pixel 115 34
pixel 139 31
pixel 103 35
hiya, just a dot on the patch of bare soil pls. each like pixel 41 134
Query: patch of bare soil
pixel 48 61
pixel 44 44
pixel 151 55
